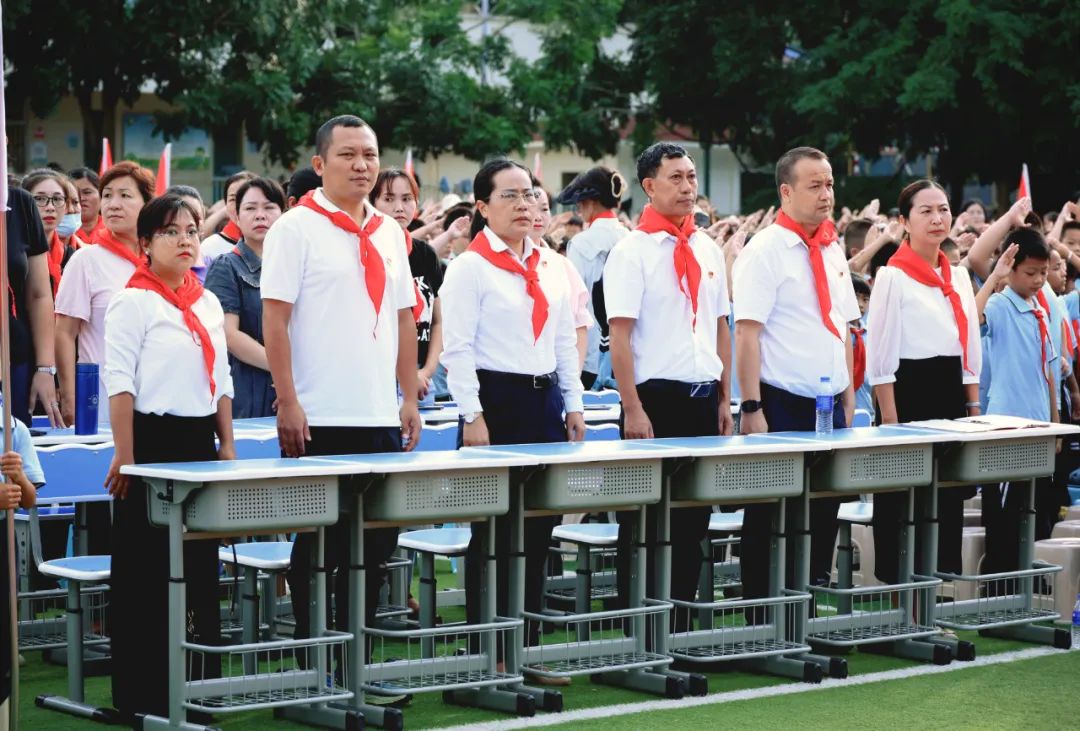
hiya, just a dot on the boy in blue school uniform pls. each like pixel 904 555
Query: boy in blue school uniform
pixel 1023 360
pixel 22 475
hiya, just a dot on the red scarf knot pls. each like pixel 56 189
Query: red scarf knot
pixel 506 261
pixel 906 260
pixel 115 246
pixel 370 259
pixel 183 299
pixel 687 268
pixel 824 236
pixel 858 346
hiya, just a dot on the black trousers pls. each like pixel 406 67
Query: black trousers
pixel 784 411
pixel 929 388
pixel 1003 506
pixel 139 598
pixel 379 543
pixel 514 414
pixel 673 413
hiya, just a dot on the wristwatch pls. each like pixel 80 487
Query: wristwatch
pixel 470 418
pixel 749 406
pixel 51 370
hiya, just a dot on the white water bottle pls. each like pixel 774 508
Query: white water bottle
pixel 824 407
pixel 1076 624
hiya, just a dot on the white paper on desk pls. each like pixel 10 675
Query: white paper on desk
pixel 979 424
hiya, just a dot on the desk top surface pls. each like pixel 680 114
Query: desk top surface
pixel 564 452
pixel 864 437
pixel 734 445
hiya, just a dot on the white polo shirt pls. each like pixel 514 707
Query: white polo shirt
pixel 588 252
pixel 343 361
pixel 487 325
pixel 640 283
pixel 774 285
pixel 152 355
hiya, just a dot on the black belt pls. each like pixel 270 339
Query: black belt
pixel 541 383
pixel 703 389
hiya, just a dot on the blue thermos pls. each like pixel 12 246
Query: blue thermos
pixel 86 398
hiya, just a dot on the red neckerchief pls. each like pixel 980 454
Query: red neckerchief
pixel 95 232
pixel 232 232
pixel 107 241
pixel 906 260
pixel 53 257
pixel 506 261
pixel 182 299
pixel 858 347
pixel 370 259
pixel 1044 331
pixel 603 214
pixel 825 235
pixel 686 264
pixel 418 308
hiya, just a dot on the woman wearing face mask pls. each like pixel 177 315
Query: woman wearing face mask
pixel 395 194
pixel 235 279
pixel 170 394
pixel 52 194
pixel 94 274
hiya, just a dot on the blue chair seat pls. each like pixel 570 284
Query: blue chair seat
pixel 726 522
pixel 440 541
pixel 267 555
pixel 591 534
pixel 78 568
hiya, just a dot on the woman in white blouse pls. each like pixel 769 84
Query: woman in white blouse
pixel 924 357
pixel 509 347
pixel 170 393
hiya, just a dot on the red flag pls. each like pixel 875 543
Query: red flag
pixel 106 156
pixel 164 169
pixel 1025 184
pixel 538 171
pixel 409 164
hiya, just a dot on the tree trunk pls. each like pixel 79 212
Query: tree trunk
pixel 91 131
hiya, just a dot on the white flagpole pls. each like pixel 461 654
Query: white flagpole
pixel 5 378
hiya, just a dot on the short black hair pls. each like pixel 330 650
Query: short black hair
pixel 860 284
pixel 948 245
pixel 326 131
pixel 1030 245
pixel 974 202
pixel 87 174
pixel 269 188
pixel 160 212
pixel 855 233
pixel 454 212
pixel 1070 226
pixel 881 258
pixel 186 190
pixel 785 166
pixel 649 161
pixel 302 181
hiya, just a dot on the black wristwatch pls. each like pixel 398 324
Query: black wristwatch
pixel 749 406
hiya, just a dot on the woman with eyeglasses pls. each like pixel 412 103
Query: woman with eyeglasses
pixel 52 197
pixel 236 280
pixel 30 308
pixel 170 393
pixel 509 351
pixel 94 274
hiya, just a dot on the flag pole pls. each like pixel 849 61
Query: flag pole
pixel 5 378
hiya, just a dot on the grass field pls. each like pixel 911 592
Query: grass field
pixel 1040 693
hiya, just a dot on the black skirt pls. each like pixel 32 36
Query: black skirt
pixel 930 388
pixel 140 572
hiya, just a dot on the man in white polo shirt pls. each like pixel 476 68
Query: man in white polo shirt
pixel 337 321
pixel 665 288
pixel 793 298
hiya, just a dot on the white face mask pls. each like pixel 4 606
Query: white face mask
pixel 68 225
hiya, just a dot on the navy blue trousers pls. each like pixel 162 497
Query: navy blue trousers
pixel 785 411
pixel 514 414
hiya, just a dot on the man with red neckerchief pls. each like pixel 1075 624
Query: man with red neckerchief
pixel 665 289
pixel 793 298
pixel 339 333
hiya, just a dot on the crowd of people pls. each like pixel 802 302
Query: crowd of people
pixel 340 303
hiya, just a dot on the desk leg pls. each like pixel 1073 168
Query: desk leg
pixel 927 531
pixel 351 716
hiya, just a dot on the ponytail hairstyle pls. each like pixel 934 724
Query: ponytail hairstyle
pixel 600 184
pixel 484 186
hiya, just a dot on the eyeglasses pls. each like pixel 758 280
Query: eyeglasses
pixel 174 237
pixel 44 200
pixel 512 196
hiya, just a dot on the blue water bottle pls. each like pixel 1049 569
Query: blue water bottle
pixel 86 398
pixel 1076 623
pixel 824 407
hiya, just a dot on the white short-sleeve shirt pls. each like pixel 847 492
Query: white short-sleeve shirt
pixel 343 358
pixel 487 324
pixel 640 283
pixel 914 321
pixel 588 252
pixel 91 278
pixel 773 284
pixel 153 356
